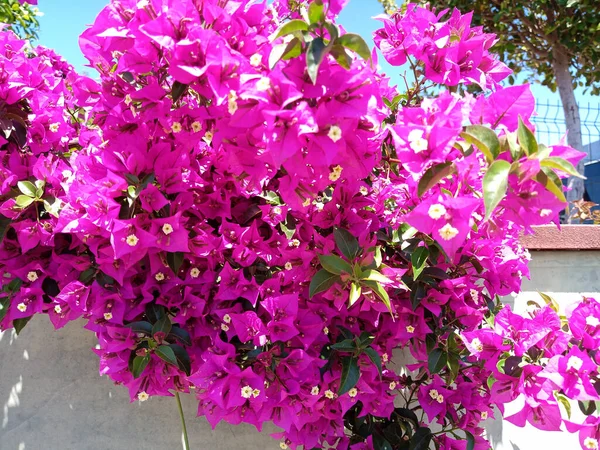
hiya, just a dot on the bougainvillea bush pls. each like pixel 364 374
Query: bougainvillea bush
pixel 242 207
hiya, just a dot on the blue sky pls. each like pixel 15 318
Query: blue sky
pixel 64 20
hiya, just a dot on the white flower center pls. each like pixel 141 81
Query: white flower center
pixel 335 133
pixel 436 211
pixel 448 232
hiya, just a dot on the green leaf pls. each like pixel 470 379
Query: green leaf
pixel 4 305
pixel 561 164
pixel 4 225
pixel 23 201
pixel 563 400
pixel 322 281
pixel 314 57
pixel 346 243
pixel 526 138
pixel 470 440
pixel 334 264
pixel 181 335
pixel 39 188
pixel 381 443
pixel 19 324
pixel 175 260
pixel 355 43
pixel 27 188
pixel 495 184
pixel 287 50
pixel 485 139
pixel 341 56
pixel 139 364
pixel 380 292
pixel 347 345
pixel 453 365
pixel 154 312
pixel 421 439
pixel 141 327
pixel 407 415
pixel 374 275
pixel 316 13
pixel 434 175
pixel 350 374
pixel 437 360
pixel 166 353
pixel 290 27
pixel 550 301
pixel 182 357
pixel 52 208
pixel 419 260
pixel 355 291
pixel 513 146
pixel 178 90
pixel 587 407
pixel 162 325
pixel 375 358
pixel 548 178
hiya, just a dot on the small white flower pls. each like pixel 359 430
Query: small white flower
pixel 159 276
pixel 574 362
pixel 434 393
pixel 477 345
pixel 283 446
pixel 142 396
pixel 294 243
pixel 32 276
pixel 325 330
pixel 363 190
pixel 590 443
pixel 54 127
pixel 247 392
pixel 385 357
pixel 336 173
pixel 393 385
pixel 167 228
pixel 227 318
pixel 224 327
pixel 484 415
pixel 263 84
pixel 132 240
pixel 194 272
pixel 353 392
pixel 256 60
pixel 128 99
pixel 440 398
pixel 288 266
pixel 57 309
pixel 474 295
pixel 196 126
pixel 329 394
pixel 315 390
pixel 335 133
pixel 255 393
pixel 176 127
pixel 448 232
pixel 410 329
pixel 208 137
pixel 416 141
pixel 436 211
pixel 276 210
pixel 22 307
pixel 108 316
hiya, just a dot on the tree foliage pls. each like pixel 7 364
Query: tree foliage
pixel 21 17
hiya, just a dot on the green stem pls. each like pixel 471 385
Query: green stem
pixel 186 442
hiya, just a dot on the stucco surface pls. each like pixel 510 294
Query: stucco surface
pixel 53 399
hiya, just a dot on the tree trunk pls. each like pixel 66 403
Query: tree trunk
pixel 564 80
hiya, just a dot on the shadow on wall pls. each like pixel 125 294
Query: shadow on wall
pixel 54 399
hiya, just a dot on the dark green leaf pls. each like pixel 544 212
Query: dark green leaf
pixel 350 374
pixel 419 260
pixel 87 275
pixel 345 332
pixel 408 415
pixel 182 357
pixel 434 175
pixel 290 27
pixel 375 358
pixel 14 285
pixel 485 139
pixel 181 335
pixel 470 440
pixel 381 443
pixel 355 43
pixel 19 324
pixel 314 57
pixel 453 366
pixel 166 353
pixel 4 224
pixel 526 138
pixel 334 264
pixel 347 345
pixel 322 281
pixel 178 90
pixel 4 305
pixel 27 188
pixel 175 260
pixel 437 360
pixel 139 364
pixel 341 56
pixel 587 407
pixel 346 243
pixel 495 184
pixel 162 325
pixel 421 439
pixel 141 327
pixel 154 312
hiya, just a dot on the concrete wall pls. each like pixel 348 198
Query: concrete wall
pixel 53 399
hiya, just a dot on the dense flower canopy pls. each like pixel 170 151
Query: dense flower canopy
pixel 242 206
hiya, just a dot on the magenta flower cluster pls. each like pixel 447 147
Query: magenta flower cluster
pixel 241 206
